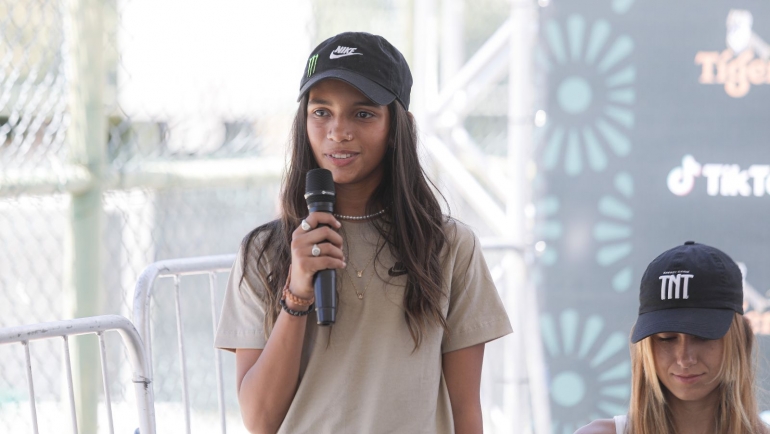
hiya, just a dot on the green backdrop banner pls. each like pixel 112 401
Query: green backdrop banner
pixel 658 132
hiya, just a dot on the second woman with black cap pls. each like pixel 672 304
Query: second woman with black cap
pixel 416 300
pixel 691 353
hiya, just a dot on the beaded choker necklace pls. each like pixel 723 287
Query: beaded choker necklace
pixel 361 217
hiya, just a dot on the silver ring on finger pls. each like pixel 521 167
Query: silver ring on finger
pixel 315 251
pixel 305 225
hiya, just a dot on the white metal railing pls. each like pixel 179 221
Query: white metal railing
pixel 532 373
pixel 97 325
pixel 175 268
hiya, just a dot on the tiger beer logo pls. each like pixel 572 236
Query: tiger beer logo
pixel 737 67
pixel 736 72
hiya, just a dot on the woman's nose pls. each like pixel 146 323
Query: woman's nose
pixel 339 131
pixel 685 353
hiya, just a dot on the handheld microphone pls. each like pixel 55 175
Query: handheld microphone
pixel 319 194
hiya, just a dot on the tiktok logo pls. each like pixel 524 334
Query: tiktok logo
pixel 721 179
pixel 682 179
pixel 670 285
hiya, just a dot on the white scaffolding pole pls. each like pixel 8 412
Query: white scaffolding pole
pixel 440 112
pixel 533 411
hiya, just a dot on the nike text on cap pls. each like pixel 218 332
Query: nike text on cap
pixel 367 62
pixel 693 289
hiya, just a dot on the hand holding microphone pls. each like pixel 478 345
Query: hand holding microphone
pixel 316 248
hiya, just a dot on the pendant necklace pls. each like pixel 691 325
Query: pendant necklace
pixel 360 295
pixel 360 274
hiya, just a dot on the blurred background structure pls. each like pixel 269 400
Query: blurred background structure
pixel 578 138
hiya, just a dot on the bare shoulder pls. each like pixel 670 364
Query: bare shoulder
pixel 599 426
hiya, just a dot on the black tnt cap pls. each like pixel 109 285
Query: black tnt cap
pixel 693 289
pixel 367 62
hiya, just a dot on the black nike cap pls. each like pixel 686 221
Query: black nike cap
pixel 365 61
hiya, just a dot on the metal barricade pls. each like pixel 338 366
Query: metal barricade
pixel 98 325
pixel 529 371
pixel 175 268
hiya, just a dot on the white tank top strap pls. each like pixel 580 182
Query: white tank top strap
pixel 620 424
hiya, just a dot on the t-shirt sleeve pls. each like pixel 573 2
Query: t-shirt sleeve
pixel 241 322
pixel 476 314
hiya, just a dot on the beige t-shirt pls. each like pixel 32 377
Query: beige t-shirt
pixel 362 375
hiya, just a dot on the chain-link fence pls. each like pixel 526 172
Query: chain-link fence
pixel 33 92
pixel 196 101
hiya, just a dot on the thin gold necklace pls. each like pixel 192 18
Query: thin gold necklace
pixel 360 295
pixel 360 274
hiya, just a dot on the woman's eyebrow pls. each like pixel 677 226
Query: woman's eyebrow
pixel 365 103
pixel 368 103
pixel 318 101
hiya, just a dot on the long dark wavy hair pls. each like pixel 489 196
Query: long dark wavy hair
pixel 413 223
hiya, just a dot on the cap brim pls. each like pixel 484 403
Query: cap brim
pixel 704 323
pixel 372 90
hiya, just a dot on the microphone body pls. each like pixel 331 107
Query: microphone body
pixel 320 197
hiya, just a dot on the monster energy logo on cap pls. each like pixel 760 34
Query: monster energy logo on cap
pixel 311 65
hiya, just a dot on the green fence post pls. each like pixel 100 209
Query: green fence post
pixel 86 136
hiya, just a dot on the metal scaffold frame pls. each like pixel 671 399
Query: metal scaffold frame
pixel 440 109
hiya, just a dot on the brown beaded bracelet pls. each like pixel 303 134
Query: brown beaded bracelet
pixel 288 295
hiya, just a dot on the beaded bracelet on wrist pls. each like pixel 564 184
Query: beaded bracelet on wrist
pixel 302 302
pixel 288 295
pixel 296 312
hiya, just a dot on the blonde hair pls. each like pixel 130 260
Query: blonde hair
pixel 737 408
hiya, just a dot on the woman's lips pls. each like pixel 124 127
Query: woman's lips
pixel 688 379
pixel 341 159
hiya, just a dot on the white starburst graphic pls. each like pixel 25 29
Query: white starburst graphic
pixel 613 232
pixel 594 95
pixel 589 370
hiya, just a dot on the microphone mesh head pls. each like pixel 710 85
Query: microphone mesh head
pixel 316 181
